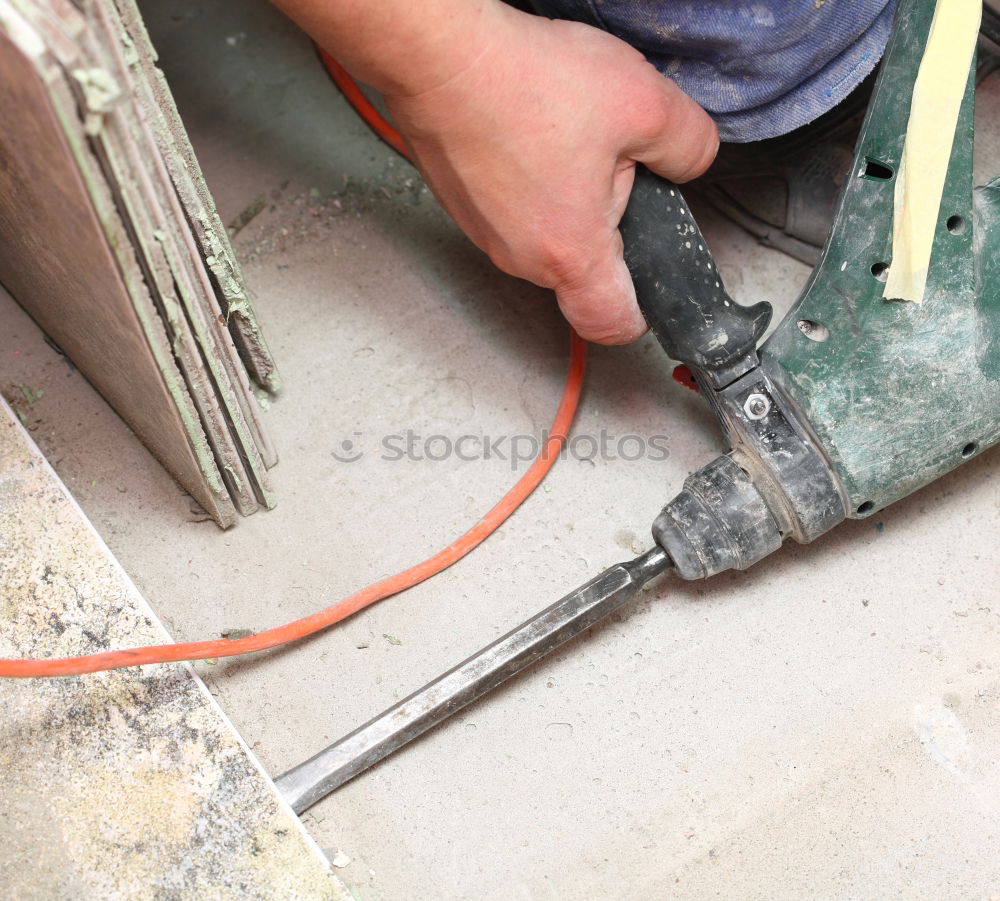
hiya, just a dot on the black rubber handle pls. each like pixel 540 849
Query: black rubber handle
pixel 678 286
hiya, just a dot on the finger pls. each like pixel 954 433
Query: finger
pixel 599 299
pixel 680 139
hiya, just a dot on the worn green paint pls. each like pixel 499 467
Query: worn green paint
pixel 898 390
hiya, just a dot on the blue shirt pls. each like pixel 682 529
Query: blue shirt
pixel 760 68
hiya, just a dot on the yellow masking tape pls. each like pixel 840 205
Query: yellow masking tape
pixel 937 98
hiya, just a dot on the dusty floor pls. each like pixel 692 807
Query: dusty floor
pixel 825 726
pixel 126 784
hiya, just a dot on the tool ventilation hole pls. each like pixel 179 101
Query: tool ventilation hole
pixel 969 449
pixel 876 170
pixel 814 331
pixel 956 225
pixel 865 508
pixel 880 270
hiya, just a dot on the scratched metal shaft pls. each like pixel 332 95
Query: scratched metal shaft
pixel 304 785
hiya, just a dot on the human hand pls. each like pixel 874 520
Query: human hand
pixel 531 146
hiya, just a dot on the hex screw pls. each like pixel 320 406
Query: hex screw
pixel 757 406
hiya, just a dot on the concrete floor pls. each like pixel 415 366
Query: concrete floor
pixel 824 726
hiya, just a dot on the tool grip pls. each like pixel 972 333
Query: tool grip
pixel 679 288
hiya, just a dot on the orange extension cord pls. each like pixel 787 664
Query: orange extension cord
pixel 300 628
pixel 362 105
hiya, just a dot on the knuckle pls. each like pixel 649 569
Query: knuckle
pixel 561 264
pixel 700 162
pixel 604 333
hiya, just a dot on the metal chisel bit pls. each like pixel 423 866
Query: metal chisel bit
pixel 304 785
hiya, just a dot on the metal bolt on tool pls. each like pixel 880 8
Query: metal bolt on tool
pixel 757 406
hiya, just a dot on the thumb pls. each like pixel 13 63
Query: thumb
pixel 599 299
pixel 680 140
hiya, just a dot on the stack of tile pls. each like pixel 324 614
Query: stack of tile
pixel 110 240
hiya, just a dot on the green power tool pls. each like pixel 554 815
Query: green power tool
pixel 855 400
